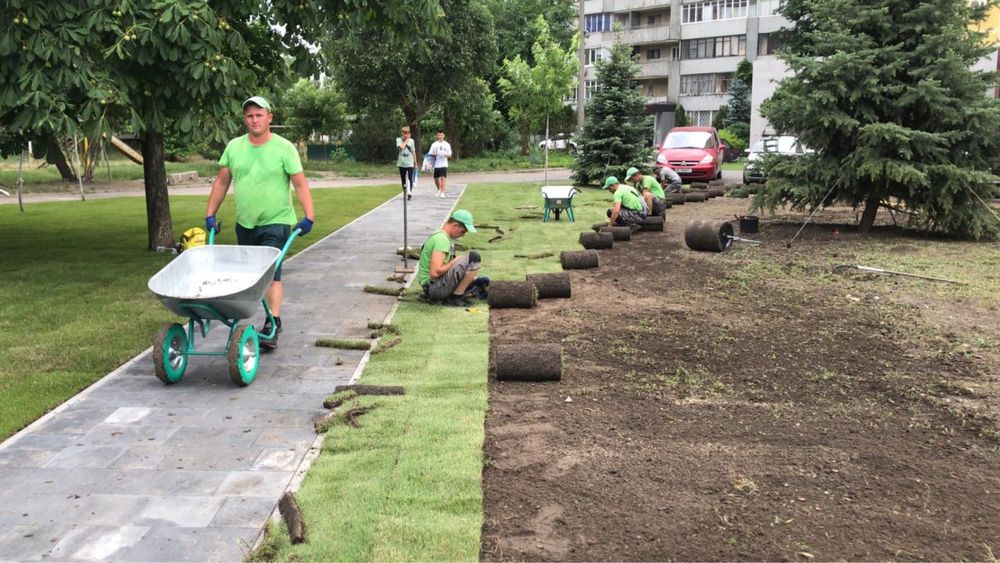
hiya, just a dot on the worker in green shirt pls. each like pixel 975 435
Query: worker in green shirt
pixel 651 190
pixel 262 164
pixel 446 278
pixel 628 208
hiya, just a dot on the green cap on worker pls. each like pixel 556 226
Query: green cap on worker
pixel 610 182
pixel 465 218
pixel 257 101
pixel 631 172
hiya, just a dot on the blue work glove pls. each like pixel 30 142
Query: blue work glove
pixel 305 225
pixel 211 224
pixel 474 257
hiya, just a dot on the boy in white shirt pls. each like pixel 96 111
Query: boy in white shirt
pixel 441 151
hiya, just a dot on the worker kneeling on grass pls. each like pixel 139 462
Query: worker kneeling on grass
pixel 628 210
pixel 651 190
pixel 446 278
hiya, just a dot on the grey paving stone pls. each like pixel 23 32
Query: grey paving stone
pixel 278 459
pixel 209 458
pixel 244 512
pixel 86 456
pixel 75 420
pixel 182 511
pixel 191 544
pixel 32 542
pixel 95 543
pixel 269 484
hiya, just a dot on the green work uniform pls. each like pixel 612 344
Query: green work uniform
pixel 650 183
pixel 629 198
pixel 441 242
pixel 261 174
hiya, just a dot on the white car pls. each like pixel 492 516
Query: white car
pixel 559 142
pixel 784 145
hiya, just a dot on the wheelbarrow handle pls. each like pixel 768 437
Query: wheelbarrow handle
pixel 288 244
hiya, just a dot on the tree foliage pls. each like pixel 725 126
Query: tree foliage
pixel 534 92
pixel 738 109
pixel 309 109
pixel 884 91
pixel 617 129
pixel 375 68
pixel 681 117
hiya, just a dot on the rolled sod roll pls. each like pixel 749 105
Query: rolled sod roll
pixel 699 185
pixel 581 260
pixel 695 196
pixel 716 191
pixel 618 233
pixel 654 223
pixel 597 240
pixel 718 182
pixel 713 236
pixel 512 294
pixel 551 286
pixel 529 362
pixel 676 198
pixel 598 226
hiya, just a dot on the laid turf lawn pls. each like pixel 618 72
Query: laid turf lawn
pixel 73 297
pixel 406 484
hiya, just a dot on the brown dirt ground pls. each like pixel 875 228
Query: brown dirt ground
pixel 749 405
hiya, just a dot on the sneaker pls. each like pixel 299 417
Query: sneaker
pixel 269 343
pixel 457 301
pixel 479 288
pixel 409 196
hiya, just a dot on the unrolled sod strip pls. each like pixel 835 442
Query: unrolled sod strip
pixel 512 294
pixel 713 236
pixel 581 260
pixel 529 362
pixel 601 241
pixel 654 223
pixel 551 286
pixel 619 233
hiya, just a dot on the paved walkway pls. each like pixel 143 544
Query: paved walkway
pixel 132 470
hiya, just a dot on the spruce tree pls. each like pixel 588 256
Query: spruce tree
pixel 884 91
pixel 739 103
pixel 617 130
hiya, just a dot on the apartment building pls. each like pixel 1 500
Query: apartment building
pixel 687 49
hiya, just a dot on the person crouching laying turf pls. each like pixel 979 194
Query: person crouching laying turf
pixel 628 210
pixel 672 179
pixel 447 278
pixel 652 192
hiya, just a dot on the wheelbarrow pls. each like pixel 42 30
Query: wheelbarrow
pixel 221 283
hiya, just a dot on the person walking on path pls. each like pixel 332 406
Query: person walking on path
pixel 628 209
pixel 262 164
pixel 405 162
pixel 441 151
pixel 652 192
pixel 447 278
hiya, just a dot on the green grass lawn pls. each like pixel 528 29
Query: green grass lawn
pixel 406 485
pixel 73 297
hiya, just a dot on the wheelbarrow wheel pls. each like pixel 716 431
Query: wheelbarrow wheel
pixel 243 354
pixel 169 353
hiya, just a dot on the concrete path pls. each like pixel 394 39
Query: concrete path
pixel 133 470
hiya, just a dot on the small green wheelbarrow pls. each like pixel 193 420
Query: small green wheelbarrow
pixel 215 283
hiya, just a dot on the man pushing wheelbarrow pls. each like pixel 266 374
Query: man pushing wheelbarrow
pixel 225 283
pixel 262 164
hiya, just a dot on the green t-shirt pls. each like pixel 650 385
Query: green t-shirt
pixel 629 198
pixel 441 242
pixel 650 183
pixel 261 173
pixel 405 159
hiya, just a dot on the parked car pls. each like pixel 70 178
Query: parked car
pixel 694 153
pixel 753 170
pixel 560 142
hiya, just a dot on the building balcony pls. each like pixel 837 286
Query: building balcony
pixel 635 5
pixel 639 35
pixel 654 69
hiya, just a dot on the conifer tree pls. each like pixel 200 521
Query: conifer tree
pixel 884 91
pixel 617 130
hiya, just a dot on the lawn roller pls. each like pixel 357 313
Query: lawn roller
pixel 215 283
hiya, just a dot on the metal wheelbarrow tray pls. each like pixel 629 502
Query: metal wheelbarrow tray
pixel 215 283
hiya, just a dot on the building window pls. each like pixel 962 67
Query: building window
pixel 651 20
pixel 702 118
pixel 709 47
pixel 704 84
pixel 652 53
pixel 598 22
pixel 767 7
pixel 712 10
pixel 768 44
pixel 675 53
pixel 589 87
pixel 592 56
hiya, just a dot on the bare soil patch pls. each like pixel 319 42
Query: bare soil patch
pixel 753 404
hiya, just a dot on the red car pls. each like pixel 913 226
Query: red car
pixel 694 153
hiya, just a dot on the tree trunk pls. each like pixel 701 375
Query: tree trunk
pixel 54 155
pixel 161 233
pixel 418 158
pixel 868 217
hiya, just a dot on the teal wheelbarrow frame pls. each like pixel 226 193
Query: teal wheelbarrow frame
pixel 215 283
